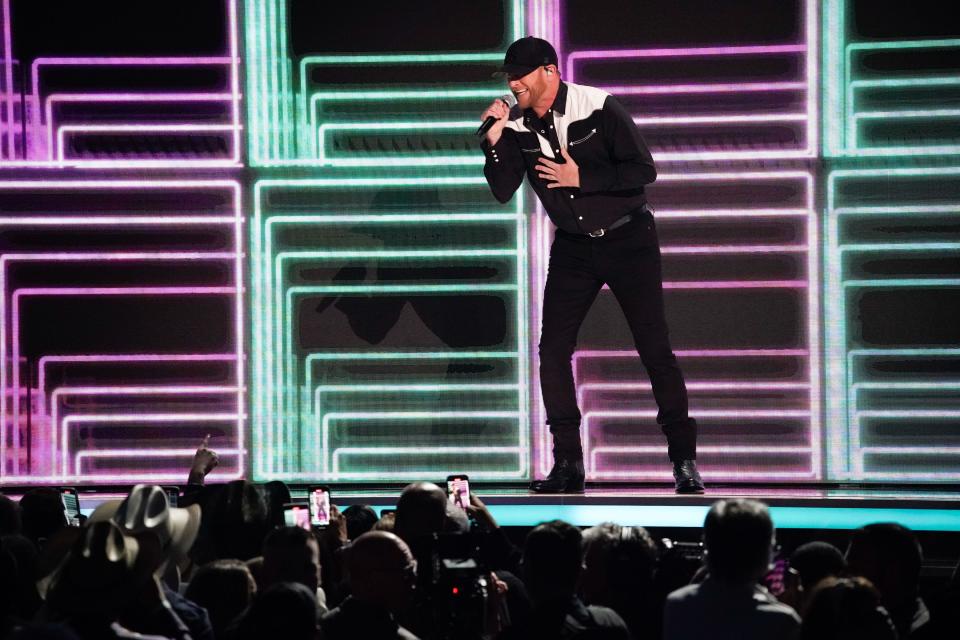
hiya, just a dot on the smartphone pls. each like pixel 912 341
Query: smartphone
pixel 385 512
pixel 318 499
pixel 774 581
pixel 296 515
pixel 71 505
pixel 173 495
pixel 458 490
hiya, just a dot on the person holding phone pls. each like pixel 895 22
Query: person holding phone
pixel 588 164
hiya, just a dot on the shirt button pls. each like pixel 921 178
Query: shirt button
pixel 495 160
pixel 551 126
pixel 557 150
pixel 580 218
pixel 542 131
pixel 571 196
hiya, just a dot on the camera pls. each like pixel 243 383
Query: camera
pixel 457 587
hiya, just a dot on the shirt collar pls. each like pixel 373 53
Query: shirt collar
pixel 559 103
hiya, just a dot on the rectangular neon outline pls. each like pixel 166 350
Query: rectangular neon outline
pixel 265 368
pixel 388 159
pixel 305 416
pixel 230 186
pixel 33 99
pixel 57 394
pixel 277 113
pixel 160 418
pixel 120 97
pixel 541 435
pixel 810 85
pixel 64 130
pixel 841 461
pixel 7 258
pixel 839 88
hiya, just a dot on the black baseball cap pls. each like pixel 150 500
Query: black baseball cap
pixel 525 55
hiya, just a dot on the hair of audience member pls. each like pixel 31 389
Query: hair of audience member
pixel 815 561
pixel 9 583
pixel 225 588
pixel 618 564
pixel 238 521
pixel 738 538
pixel 552 561
pixel 889 556
pixel 846 609
pixel 421 511
pixel 386 523
pixel 381 570
pixel 277 494
pixel 286 610
pixel 27 599
pixel 291 554
pixel 42 513
pixel 360 519
pixel 10 522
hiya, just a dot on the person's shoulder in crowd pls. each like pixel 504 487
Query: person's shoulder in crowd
pixel 727 613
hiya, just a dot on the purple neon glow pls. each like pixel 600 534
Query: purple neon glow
pixel 8 78
pixel 39 141
pixel 230 190
pixel 58 394
pixel 137 418
pixel 805 51
pixel 594 387
pixel 120 97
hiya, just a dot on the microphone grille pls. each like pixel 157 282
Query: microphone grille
pixel 510 99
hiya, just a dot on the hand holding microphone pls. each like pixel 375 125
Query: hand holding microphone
pixel 495 118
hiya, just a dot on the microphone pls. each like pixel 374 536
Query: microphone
pixel 509 100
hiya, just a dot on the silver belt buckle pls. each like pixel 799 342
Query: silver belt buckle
pixel 597 234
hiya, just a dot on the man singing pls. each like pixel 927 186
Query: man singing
pixel 588 164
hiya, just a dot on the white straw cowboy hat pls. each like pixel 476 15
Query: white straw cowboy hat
pixel 147 509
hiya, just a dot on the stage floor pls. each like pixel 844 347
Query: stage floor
pixel 792 507
pixel 842 507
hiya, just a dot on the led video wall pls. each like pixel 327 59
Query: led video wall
pixel 268 223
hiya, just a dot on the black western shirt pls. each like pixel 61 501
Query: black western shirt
pixel 602 139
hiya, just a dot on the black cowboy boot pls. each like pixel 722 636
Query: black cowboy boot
pixel 566 476
pixel 687 477
pixel 682 450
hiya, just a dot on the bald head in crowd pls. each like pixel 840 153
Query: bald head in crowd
pixel 423 510
pixel 381 570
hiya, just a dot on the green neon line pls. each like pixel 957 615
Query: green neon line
pixel 904 282
pixel 906 82
pixel 904 44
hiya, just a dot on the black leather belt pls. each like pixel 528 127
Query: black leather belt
pixel 619 222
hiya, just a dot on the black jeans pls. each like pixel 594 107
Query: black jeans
pixel 627 260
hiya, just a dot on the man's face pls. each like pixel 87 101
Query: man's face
pixel 529 88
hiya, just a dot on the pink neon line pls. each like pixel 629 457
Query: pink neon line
pixel 64 130
pixel 133 417
pixel 697 353
pixel 584 387
pixel 721 119
pixel 738 284
pixel 119 291
pixel 123 97
pixel 8 81
pixel 138 358
pixel 658 473
pixel 232 30
pixel 94 221
pixel 703 88
pixel 119 184
pixel 674 52
pixel 756 248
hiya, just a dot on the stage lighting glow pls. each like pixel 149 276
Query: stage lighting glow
pixel 320 413
pixel 878 380
pixel 695 125
pixel 33 266
pixel 285 104
pixel 854 130
pixel 36 130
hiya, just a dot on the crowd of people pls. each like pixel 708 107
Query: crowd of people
pixel 222 565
